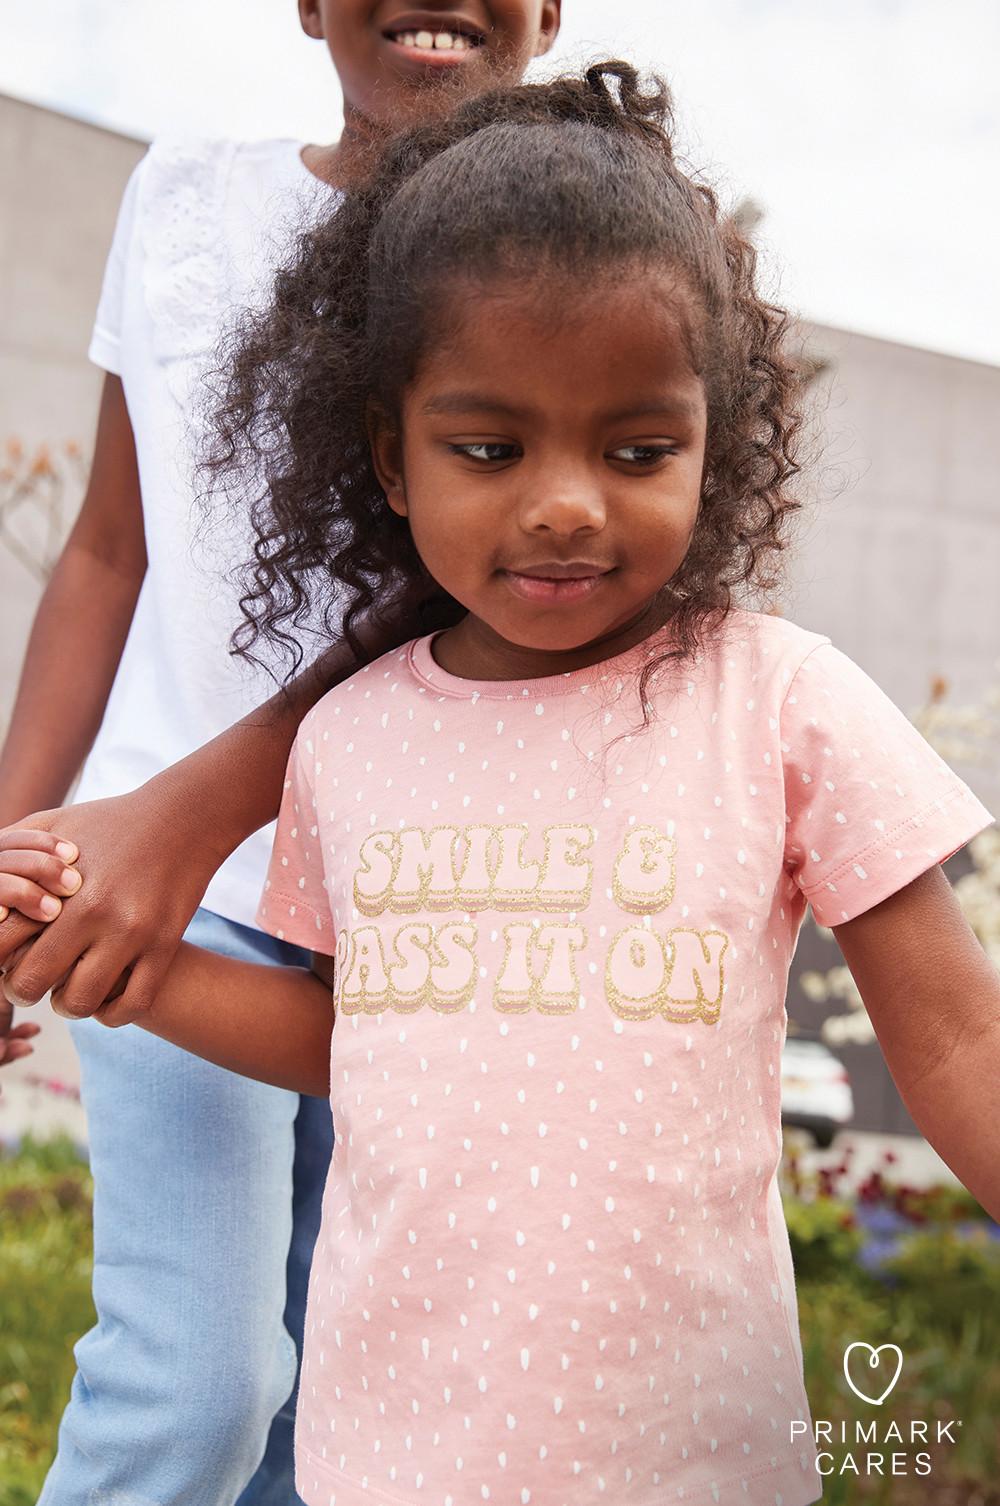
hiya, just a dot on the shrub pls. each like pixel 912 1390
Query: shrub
pixel 45 1257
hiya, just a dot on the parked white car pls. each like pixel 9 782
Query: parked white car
pixel 815 1090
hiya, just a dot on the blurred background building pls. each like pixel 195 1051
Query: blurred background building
pixel 50 275
pixel 898 556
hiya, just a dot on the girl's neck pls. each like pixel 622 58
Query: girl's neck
pixel 339 162
pixel 473 651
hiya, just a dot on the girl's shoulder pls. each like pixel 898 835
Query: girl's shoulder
pixel 206 213
pixel 758 644
pixel 183 165
pixel 193 192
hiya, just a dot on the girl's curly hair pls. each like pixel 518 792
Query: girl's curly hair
pixel 575 177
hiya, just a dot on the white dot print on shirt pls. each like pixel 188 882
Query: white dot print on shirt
pixel 691 1219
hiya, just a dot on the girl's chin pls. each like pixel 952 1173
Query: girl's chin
pixel 589 642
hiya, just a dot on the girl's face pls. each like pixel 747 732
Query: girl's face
pixel 386 52
pixel 551 468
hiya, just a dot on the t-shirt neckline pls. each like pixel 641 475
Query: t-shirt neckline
pixel 619 667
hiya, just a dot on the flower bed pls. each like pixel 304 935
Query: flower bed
pixel 888 1263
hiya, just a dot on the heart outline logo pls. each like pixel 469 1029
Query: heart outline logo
pixel 875 1401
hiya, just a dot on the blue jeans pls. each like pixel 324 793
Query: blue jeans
pixel 206 1207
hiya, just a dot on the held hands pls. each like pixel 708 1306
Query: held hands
pixel 107 954
pixel 15 1040
pixel 36 874
pixel 150 855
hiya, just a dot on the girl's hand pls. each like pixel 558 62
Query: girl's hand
pixel 36 872
pixel 146 868
pixel 15 1040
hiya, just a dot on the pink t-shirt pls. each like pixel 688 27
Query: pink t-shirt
pixel 553 1266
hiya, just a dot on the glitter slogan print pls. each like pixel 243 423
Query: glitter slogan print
pixel 648 970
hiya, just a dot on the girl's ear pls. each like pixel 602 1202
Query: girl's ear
pixel 387 456
pixel 548 26
pixel 310 19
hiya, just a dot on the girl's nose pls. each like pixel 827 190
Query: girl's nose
pixel 563 504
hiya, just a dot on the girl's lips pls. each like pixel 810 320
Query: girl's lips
pixel 432 57
pixel 555 590
pixel 417 19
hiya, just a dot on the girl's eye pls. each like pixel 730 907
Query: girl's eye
pixel 643 454
pixel 486 451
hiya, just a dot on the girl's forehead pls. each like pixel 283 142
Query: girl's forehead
pixel 634 328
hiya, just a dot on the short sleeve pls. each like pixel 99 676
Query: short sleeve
pixel 294 905
pixel 105 340
pixel 869 805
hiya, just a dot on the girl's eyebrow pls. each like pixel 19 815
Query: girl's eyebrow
pixel 469 402
pixel 670 406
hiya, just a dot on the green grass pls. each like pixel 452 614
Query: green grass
pixel 943 1310
pixel 45 1305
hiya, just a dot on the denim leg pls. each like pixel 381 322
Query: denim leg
pixel 273 1483
pixel 190 1359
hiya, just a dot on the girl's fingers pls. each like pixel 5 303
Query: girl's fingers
pixel 17 1042
pixel 15 1052
pixel 42 962
pixel 24 895
pixel 135 991
pixel 20 837
pixel 15 931
pixel 47 871
pixel 95 978
pixel 19 981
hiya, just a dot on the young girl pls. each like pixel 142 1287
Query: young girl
pixel 210 1181
pixel 551 859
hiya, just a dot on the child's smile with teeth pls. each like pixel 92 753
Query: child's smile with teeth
pixel 436 41
pixel 388 51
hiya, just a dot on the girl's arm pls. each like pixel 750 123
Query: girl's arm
pixel 148 857
pixel 269 1023
pixel 934 1000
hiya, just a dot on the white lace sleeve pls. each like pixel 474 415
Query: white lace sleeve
pixel 185 253
pixel 105 339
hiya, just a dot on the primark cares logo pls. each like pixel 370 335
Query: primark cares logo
pixel 878 1446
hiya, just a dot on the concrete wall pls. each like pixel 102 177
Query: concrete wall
pixel 898 558
pixel 60 184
